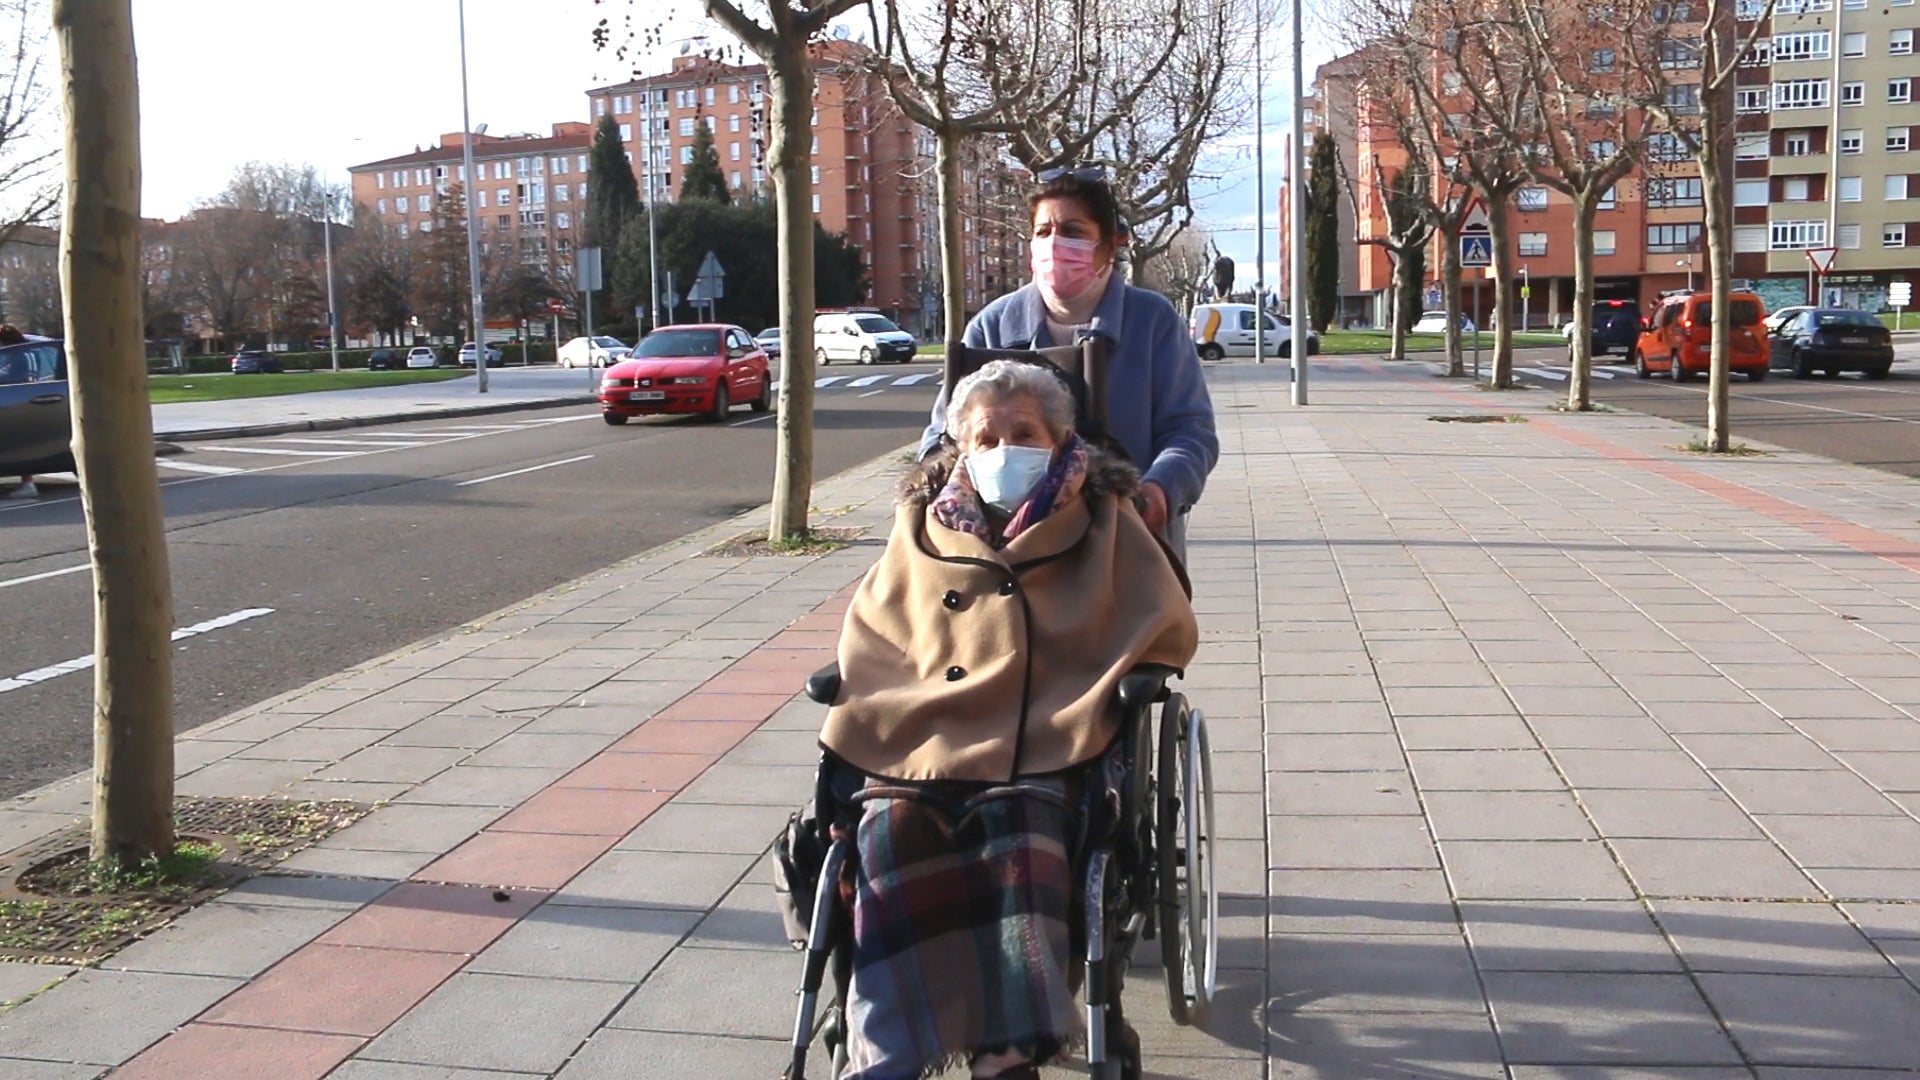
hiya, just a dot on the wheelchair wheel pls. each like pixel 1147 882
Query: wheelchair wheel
pixel 1184 849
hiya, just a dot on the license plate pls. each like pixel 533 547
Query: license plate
pixel 1616 348
pixel 647 395
pixel 1853 341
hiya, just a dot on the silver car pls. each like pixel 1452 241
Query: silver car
pixel 36 428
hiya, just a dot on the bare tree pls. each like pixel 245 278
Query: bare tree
pixel 378 268
pixel 1183 269
pixel 30 280
pixel 113 434
pixel 29 160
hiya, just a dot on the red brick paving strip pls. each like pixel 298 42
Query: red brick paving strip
pixel 320 1004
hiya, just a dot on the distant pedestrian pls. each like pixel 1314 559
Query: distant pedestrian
pixel 11 335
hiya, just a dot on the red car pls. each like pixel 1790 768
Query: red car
pixel 707 368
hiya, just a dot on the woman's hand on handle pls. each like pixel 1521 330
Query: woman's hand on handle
pixel 1154 512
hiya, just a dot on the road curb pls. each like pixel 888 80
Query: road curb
pixel 338 423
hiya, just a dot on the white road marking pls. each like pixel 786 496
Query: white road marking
pixel 774 387
pixel 753 420
pixel 522 472
pixel 420 435
pixel 1810 405
pixel 1598 374
pixel 909 380
pixel 344 442
pixel 269 450
pixel 82 663
pixel 553 420
pixel 870 393
pixel 45 576
pixel 196 467
pixel 478 429
pixel 829 380
pixel 1545 373
pixel 866 380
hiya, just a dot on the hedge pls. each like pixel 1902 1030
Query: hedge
pixel 538 352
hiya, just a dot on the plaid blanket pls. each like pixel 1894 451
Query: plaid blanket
pixel 964 901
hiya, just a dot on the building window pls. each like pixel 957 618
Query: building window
pixel 1898 140
pixel 1900 43
pixel 502 197
pixel 559 166
pixel 1750 147
pixel 733 122
pixel 380 206
pixel 502 169
pixel 1796 235
pixel 1847 236
pixel 1853 93
pixel 1893 235
pixel 1853 45
pixel 1608 200
pixel 1533 244
pixel 580 163
pixel 380 181
pixel 599 107
pixel 1849 189
pixel 1896 188
pixel 711 122
pixel 1794 94
pixel 1604 242
pixel 733 179
pixel 1748 239
pixel 424 203
pixel 1679 12
pixel 563 219
pixel 1852 140
pixel 1760 55
pixel 1750 99
pixel 402 230
pixel 1671 239
pixel 816 174
pixel 1603 61
pixel 686 125
pixel 399 179
pixel 686 155
pixel 626 133
pixel 1750 193
pixel 1531 198
pixel 816 204
pixel 506 220
pixel 733 152
pixel 561 193
pixel 1677 191
pixel 1794 189
pixel 480 199
pixel 733 93
pixel 1805 45
pixel 1676 53
pixel 1899 91
pixel 1796 144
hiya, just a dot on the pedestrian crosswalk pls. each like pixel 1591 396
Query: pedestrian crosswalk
pixel 226 459
pixel 864 382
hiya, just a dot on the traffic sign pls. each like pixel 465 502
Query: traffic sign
pixel 586 269
pixel 1476 219
pixel 1900 294
pixel 556 305
pixel 1822 258
pixel 1476 251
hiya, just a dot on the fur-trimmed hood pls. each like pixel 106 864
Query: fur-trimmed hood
pixel 1107 474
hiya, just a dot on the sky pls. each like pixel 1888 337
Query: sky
pixel 334 84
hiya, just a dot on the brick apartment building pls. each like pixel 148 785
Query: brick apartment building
pixel 1826 119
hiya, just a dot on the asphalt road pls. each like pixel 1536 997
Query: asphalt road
pixel 303 555
pixel 1849 418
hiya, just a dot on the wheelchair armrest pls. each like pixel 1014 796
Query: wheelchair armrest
pixel 1144 685
pixel 824 685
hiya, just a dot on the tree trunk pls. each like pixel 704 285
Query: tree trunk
pixel 113 433
pixel 790 79
pixel 953 285
pixel 1498 230
pixel 1720 264
pixel 1580 352
pixel 1450 275
pixel 1397 347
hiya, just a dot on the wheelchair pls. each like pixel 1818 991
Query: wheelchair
pixel 1150 877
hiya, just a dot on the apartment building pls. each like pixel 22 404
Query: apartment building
pixel 529 191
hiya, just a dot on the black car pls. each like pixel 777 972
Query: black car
pixel 36 426
pixel 256 362
pixel 1616 326
pixel 1833 340
pixel 383 360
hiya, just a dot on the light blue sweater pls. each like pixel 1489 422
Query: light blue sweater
pixel 1157 403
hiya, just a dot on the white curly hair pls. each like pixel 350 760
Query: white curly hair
pixel 997 380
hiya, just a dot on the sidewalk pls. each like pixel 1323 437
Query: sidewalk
pixel 1545 749
pixel 507 389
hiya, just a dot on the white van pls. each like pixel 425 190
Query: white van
pixel 865 336
pixel 1223 330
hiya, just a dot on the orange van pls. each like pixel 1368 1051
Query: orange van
pixel 1678 338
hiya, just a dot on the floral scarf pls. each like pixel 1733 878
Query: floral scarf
pixel 959 508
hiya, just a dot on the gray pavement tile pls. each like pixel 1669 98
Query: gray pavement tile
pixel 585 720
pixel 699 991
pixel 1687 689
pixel 1306 690
pixel 1600 733
pixel 18 828
pixel 1886 769
pixel 1635 769
pixel 656 1055
pixel 1449 701
pixel 19 981
pixel 1361 902
pixel 455 730
pixel 1818 1020
pixel 1554 649
pixel 748 917
pixel 1867 842
pixel 1349 661
pixel 1506 815
pixel 21 1069
pixel 1779 791
pixel 1778 939
pixel 1357 843
pixel 760 785
pixel 1485 770
pixel 1580 701
pixel 313 744
pixel 1630 661
pixel 1784 677
pixel 1707 716
pixel 378 715
pixel 1337 1046
pixel 341 862
pixel 686 881
pixel 1849 733
pixel 1885 885
pixel 1818 704
pixel 605 944
pixel 1751 750
pixel 1886 922
pixel 1354 752
pixel 1533 870
pixel 427 690
pixel 739 829
pixel 1352 717
pixel 279 889
pixel 777 748
pixel 395 1070
pixel 191 754
pixel 1713 869
pixel 1542 935
pixel 1427 673
pixel 413 827
pixel 238 939
pixel 1399 973
pixel 1465 733
pixel 366 794
pixel 1238 770
pixel 522 750
pixel 1341 793
pixel 476 785
pixel 1239 816
pixel 238 776
pixel 479 1021
pixel 399 764
pixel 1622 812
pixel 1568 1018
pixel 64 1023
pixel 1240 867
pixel 1766 1072
pixel 1615 1072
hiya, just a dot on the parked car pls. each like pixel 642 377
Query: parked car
pixel 592 352
pixel 1616 326
pixel 467 355
pixel 1833 340
pixel 866 336
pixel 36 424
pixel 769 340
pixel 1223 330
pixel 1435 322
pixel 383 360
pixel 1777 319
pixel 1677 339
pixel 256 362
pixel 420 356
pixel 704 368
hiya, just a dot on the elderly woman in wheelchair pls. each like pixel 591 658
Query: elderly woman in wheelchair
pixel 985 749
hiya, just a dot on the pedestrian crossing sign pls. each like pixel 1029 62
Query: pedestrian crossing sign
pixel 1476 251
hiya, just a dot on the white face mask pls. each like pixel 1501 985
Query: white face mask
pixel 1005 475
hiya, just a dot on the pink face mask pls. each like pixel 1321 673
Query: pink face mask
pixel 1064 266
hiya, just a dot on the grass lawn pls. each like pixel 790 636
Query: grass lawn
pixel 1351 342
pixel 170 389
pixel 1910 319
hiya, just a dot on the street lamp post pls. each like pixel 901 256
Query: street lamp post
pixel 333 319
pixel 473 235
pixel 646 198
pixel 1297 212
pixel 1688 263
pixel 1259 203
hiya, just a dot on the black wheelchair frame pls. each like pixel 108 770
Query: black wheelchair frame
pixel 1152 877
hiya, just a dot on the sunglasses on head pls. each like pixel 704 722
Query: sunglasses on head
pixel 1093 174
